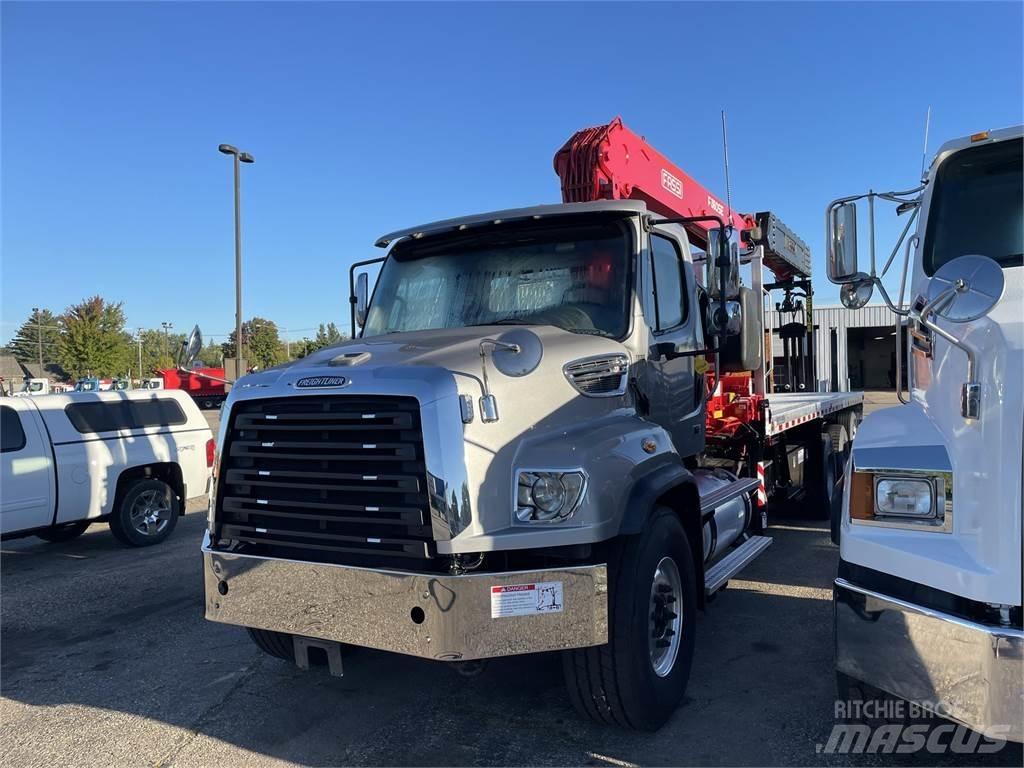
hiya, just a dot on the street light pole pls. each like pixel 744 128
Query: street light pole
pixel 239 158
pixel 167 341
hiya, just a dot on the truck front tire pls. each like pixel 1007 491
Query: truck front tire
pixel 638 678
pixel 145 513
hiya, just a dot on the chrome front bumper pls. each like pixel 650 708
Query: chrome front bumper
pixel 971 673
pixel 448 618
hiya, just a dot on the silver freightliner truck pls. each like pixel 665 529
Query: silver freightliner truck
pixel 511 457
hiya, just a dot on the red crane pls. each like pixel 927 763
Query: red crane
pixel 611 162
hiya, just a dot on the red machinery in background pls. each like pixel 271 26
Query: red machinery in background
pixel 205 385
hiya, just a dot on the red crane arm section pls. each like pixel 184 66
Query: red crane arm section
pixel 611 162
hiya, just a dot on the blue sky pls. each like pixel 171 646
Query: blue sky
pixel 366 118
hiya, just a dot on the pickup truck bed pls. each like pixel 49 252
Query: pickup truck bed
pixel 790 409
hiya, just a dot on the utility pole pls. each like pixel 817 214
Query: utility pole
pixel 39 338
pixel 138 337
pixel 167 341
pixel 239 157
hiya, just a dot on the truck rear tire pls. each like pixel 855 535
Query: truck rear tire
pixel 639 677
pixel 145 514
pixel 65 532
pixel 277 644
pixel 820 483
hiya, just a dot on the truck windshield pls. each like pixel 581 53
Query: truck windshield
pixel 575 278
pixel 977 206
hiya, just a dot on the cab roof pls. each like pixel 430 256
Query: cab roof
pixel 511 214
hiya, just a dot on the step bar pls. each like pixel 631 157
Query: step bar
pixel 717 498
pixel 734 562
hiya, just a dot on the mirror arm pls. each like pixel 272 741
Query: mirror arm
pixel 871 229
pixel 888 301
pixel 352 288
pixel 969 407
pixel 900 313
pixel 899 242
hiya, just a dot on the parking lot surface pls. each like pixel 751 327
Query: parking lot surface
pixel 107 660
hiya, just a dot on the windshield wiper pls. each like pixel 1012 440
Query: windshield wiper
pixel 503 321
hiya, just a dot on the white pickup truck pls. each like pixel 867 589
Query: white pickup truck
pixel 131 459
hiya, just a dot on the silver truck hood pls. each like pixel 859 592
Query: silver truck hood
pixel 456 350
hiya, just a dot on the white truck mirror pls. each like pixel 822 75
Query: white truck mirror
pixel 965 288
pixel 732 275
pixel 190 348
pixel 855 295
pixel 842 245
pixel 362 297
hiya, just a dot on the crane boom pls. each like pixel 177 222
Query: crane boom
pixel 611 162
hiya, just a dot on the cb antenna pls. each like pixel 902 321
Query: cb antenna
pixel 924 152
pixel 725 152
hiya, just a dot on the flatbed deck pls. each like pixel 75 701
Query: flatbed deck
pixel 790 409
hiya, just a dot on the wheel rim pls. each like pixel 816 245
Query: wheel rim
pixel 665 625
pixel 150 513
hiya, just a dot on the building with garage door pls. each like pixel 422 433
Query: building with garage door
pixel 853 349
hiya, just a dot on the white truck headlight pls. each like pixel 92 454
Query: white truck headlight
pixel 904 497
pixel 895 498
pixel 548 496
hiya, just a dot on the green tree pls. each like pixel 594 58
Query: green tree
pixel 261 343
pixel 327 335
pixel 159 350
pixel 93 339
pixel 212 355
pixel 303 347
pixel 25 344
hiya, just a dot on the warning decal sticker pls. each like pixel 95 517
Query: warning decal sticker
pixel 526 599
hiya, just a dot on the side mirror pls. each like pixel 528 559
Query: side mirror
pixel 965 289
pixel 362 297
pixel 856 294
pixel 190 348
pixel 842 244
pixel 732 272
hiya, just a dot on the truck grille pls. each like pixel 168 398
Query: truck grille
pixel 326 478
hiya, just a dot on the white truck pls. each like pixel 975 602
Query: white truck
pixel 33 387
pixel 928 595
pixel 131 459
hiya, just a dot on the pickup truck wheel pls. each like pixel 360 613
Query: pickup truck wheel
pixel 146 513
pixel 65 532
pixel 638 678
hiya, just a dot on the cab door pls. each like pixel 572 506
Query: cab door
pixel 26 469
pixel 674 390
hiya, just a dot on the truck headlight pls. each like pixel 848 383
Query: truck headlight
pixel 902 499
pixel 545 496
pixel 904 496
